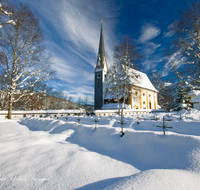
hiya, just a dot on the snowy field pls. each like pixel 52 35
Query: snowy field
pixel 54 154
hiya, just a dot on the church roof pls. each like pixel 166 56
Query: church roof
pixel 143 80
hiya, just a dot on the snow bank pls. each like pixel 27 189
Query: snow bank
pixel 159 179
pixel 64 154
pixel 39 160
pixel 142 141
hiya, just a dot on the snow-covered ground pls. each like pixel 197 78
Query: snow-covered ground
pixel 55 154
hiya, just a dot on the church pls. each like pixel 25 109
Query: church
pixel 142 94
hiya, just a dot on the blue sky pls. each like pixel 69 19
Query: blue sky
pixel 72 31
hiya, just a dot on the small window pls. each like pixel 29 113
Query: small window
pixel 149 95
pixel 136 93
pixel 143 94
pixel 98 76
pixel 144 102
pixel 98 67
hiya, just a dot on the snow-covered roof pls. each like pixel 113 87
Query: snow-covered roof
pixel 193 92
pixel 196 99
pixel 143 81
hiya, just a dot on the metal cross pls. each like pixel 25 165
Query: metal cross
pixel 137 119
pixel 164 126
pixel 96 121
pixel 78 119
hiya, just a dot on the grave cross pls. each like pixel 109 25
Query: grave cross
pixel 79 119
pixel 122 124
pixel 96 121
pixel 164 126
pixel 137 119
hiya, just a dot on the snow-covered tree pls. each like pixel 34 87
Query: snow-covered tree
pixel 24 62
pixel 122 74
pixel 183 53
pixel 182 101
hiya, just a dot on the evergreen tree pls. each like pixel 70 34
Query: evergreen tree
pixel 182 101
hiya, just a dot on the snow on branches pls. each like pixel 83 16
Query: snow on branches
pixel 4 13
pixel 183 54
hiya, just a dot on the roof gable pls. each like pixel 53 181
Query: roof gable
pixel 143 80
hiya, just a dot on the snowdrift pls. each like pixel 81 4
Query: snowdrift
pixel 143 145
pixel 64 154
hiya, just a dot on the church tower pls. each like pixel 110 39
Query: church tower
pixel 100 73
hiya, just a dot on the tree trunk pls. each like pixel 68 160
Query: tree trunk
pixel 117 90
pixel 10 105
pixel 124 95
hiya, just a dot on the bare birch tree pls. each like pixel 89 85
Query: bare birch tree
pixel 24 62
pixel 123 71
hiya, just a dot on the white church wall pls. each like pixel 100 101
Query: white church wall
pixel 148 99
pixel 196 106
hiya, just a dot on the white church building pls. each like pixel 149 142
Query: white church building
pixel 142 95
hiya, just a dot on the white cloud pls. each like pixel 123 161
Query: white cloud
pixel 169 34
pixel 72 31
pixel 81 92
pixel 73 74
pixel 150 64
pixel 148 32
pixel 78 22
pixel 150 47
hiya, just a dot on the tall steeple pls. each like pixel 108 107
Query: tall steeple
pixel 100 73
pixel 101 52
pixel 101 59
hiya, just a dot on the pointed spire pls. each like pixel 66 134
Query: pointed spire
pixel 101 52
